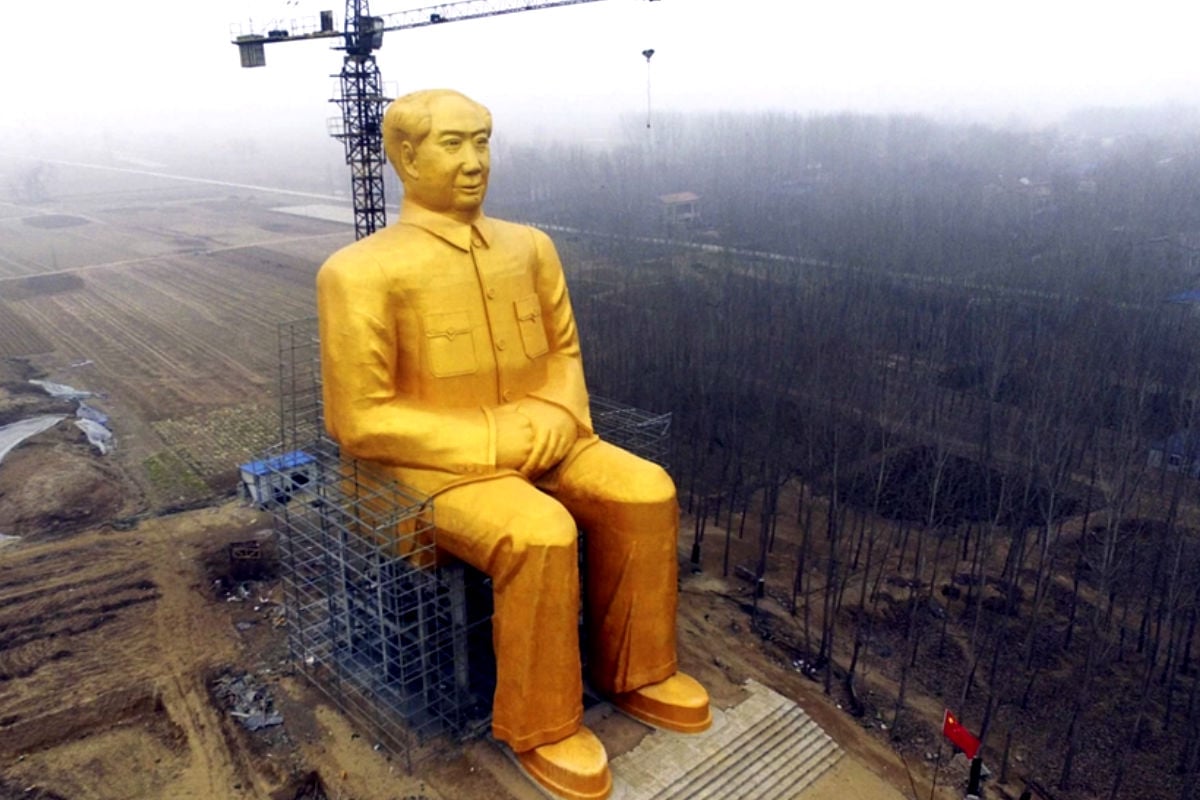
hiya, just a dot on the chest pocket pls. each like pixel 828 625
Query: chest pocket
pixel 449 344
pixel 533 332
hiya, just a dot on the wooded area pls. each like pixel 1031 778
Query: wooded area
pixel 956 420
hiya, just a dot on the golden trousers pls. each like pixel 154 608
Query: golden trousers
pixel 525 537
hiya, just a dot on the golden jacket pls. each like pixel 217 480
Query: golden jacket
pixel 428 325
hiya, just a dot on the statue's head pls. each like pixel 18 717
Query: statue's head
pixel 437 141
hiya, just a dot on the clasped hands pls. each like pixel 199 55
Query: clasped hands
pixel 532 435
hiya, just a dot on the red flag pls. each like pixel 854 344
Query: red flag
pixel 959 736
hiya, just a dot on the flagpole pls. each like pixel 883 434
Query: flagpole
pixel 975 779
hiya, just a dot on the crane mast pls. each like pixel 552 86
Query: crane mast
pixel 361 97
pixel 361 100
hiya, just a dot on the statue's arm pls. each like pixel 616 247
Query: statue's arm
pixel 359 357
pixel 565 386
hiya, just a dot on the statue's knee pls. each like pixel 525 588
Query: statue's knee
pixel 654 486
pixel 549 527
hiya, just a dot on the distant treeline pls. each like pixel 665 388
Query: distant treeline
pixel 971 385
pixel 1068 209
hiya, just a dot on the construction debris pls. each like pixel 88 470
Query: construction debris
pixel 247 700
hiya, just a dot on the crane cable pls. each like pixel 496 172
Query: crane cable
pixel 648 53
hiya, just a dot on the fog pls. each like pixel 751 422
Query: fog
pixel 137 75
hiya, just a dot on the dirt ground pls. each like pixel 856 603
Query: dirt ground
pixel 112 643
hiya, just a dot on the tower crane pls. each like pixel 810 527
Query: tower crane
pixel 361 96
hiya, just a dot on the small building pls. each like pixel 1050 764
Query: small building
pixel 1178 452
pixel 276 480
pixel 680 210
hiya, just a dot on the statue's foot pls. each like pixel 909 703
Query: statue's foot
pixel 678 704
pixel 575 768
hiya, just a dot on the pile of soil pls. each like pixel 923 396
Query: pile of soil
pixel 54 482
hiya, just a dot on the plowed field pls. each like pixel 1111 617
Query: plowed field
pixel 165 299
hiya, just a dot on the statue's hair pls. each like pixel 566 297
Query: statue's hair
pixel 409 119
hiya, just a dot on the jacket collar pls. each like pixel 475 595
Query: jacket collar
pixel 447 228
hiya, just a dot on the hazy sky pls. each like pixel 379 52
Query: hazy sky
pixel 167 65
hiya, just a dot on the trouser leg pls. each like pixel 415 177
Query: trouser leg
pixel 526 542
pixel 628 510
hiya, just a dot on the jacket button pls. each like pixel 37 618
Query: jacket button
pixel 491 293
pixel 506 396
pixel 500 344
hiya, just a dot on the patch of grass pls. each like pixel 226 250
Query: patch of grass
pixel 171 479
pixel 215 441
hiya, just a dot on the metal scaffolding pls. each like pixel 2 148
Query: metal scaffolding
pixel 642 432
pixel 370 621
pixel 400 645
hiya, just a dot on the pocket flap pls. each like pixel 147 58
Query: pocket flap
pixel 529 320
pixel 450 344
pixel 448 324
pixel 528 308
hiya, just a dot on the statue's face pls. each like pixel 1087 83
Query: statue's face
pixel 448 171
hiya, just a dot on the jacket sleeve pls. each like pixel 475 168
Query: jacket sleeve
pixel 359 358
pixel 565 385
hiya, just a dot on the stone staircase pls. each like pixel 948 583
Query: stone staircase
pixel 765 748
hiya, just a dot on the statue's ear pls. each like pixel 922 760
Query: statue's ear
pixel 408 160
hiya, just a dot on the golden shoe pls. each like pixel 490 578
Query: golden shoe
pixel 575 768
pixel 678 704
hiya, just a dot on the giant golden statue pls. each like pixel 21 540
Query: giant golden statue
pixel 450 356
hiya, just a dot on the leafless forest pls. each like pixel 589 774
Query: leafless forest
pixel 949 425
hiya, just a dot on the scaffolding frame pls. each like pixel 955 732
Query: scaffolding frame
pixel 384 638
pixel 644 433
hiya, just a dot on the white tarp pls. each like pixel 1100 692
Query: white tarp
pixel 98 436
pixel 94 414
pixel 12 435
pixel 62 390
